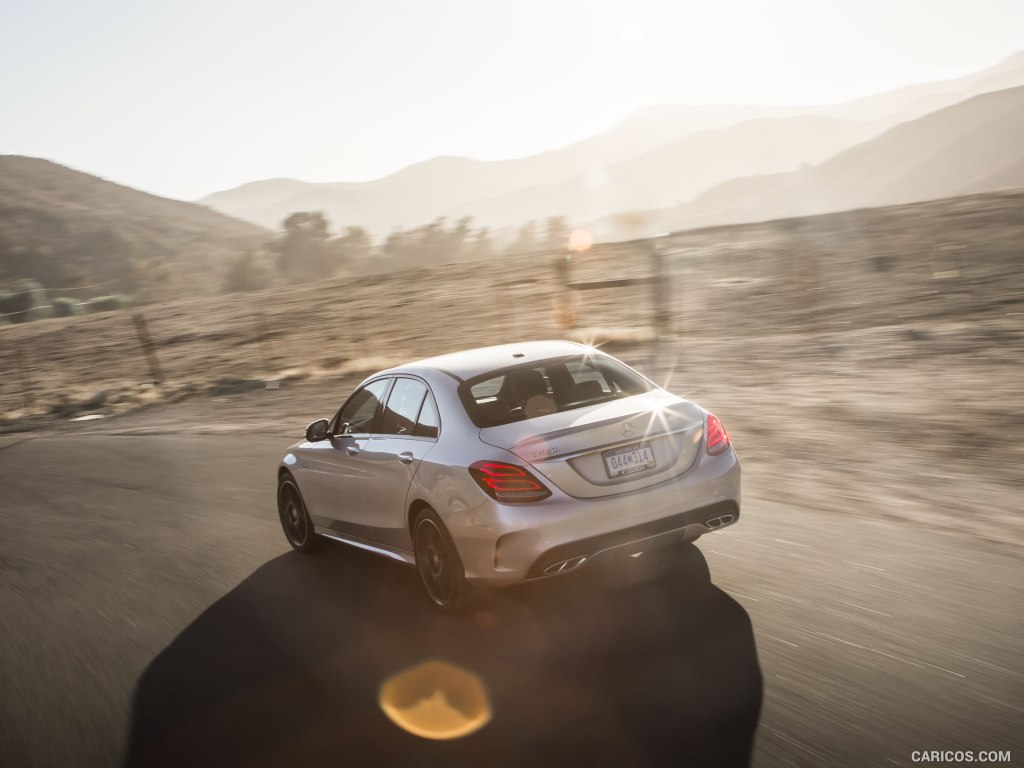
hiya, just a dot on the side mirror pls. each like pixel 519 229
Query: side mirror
pixel 316 431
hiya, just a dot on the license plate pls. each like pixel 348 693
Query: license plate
pixel 629 459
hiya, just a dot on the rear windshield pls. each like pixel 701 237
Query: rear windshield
pixel 562 384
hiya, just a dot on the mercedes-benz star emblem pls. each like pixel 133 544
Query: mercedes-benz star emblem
pixel 627 429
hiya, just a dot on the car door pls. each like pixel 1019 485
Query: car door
pixel 407 430
pixel 339 475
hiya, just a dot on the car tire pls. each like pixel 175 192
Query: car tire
pixel 298 528
pixel 438 563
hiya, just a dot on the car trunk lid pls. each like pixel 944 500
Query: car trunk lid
pixel 608 448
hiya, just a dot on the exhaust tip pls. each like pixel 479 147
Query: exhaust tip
pixel 565 565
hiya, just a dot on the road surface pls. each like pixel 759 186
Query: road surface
pixel 151 613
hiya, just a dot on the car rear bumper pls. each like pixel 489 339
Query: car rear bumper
pixel 514 543
pixel 682 527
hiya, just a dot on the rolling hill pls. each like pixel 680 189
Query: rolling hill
pixel 65 228
pixel 659 156
pixel 677 171
pixel 419 193
pixel 457 187
pixel 973 146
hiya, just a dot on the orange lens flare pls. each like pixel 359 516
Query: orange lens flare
pixel 436 700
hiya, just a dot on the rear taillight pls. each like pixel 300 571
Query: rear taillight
pixel 507 482
pixel 718 438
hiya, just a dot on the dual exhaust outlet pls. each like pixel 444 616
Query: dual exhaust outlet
pixel 565 565
pixel 575 562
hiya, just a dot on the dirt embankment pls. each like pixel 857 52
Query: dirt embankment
pixel 867 362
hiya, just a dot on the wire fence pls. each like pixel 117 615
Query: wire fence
pixel 770 281
pixel 52 308
pixel 261 338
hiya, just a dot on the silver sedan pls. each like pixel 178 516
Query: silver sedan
pixel 505 464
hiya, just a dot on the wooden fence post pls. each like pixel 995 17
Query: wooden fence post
pixel 563 310
pixel 661 290
pixel 142 332
pixel 357 341
pixel 26 382
pixel 259 322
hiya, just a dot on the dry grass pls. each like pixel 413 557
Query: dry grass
pixel 866 363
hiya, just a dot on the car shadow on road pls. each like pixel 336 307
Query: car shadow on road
pixel 642 662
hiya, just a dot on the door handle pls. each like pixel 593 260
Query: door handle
pixel 351 450
pixel 406 457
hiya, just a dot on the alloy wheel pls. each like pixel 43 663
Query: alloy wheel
pixel 293 516
pixel 434 564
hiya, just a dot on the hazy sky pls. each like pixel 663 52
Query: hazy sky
pixel 187 97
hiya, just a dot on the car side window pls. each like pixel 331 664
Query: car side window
pixel 403 405
pixel 357 415
pixel 428 423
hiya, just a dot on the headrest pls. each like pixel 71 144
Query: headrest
pixel 526 384
pixel 587 390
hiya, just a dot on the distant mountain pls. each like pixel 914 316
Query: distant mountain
pixel 66 228
pixel 456 187
pixel 1010 177
pixel 974 146
pixel 918 100
pixel 682 149
pixel 675 172
pixel 419 193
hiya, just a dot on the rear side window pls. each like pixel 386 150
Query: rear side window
pixel 534 390
pixel 429 423
pixel 403 407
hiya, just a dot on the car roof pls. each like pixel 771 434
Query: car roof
pixel 473 362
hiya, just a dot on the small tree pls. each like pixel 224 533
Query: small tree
pixel 525 242
pixel 459 240
pixel 67 307
pixel 109 303
pixel 246 273
pixel 305 251
pixel 26 301
pixel 481 248
pixel 355 250
pixel 556 237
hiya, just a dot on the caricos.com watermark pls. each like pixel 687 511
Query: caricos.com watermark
pixel 960 756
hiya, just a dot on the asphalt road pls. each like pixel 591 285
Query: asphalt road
pixel 152 614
